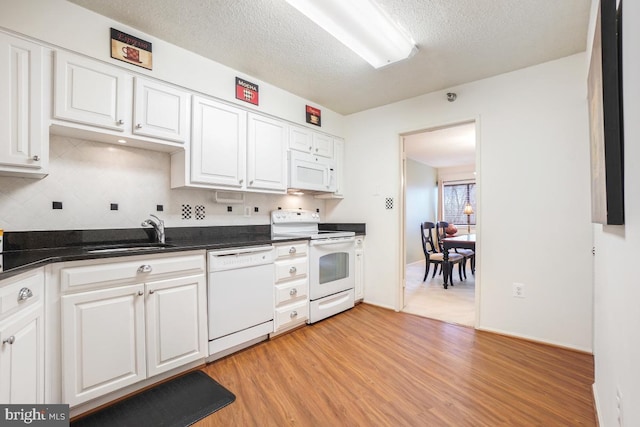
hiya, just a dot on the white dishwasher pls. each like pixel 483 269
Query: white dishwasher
pixel 240 298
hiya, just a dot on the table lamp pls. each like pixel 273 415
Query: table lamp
pixel 468 211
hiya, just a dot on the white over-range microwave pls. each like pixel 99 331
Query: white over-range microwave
pixel 313 173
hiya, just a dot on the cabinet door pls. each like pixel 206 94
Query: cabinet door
pixel 160 111
pixel 22 358
pixel 176 322
pixel 92 93
pixel 102 342
pixel 218 144
pixel 23 137
pixel 267 153
pixel 322 145
pixel 300 139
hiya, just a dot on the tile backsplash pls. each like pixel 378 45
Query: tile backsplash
pixel 101 185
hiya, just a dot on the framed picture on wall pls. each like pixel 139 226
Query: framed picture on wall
pixel 606 116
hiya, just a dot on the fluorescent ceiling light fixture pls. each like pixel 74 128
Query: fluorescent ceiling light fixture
pixel 362 26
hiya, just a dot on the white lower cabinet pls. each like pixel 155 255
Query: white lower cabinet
pixel 22 339
pixel 123 333
pixel 291 286
pixel 103 342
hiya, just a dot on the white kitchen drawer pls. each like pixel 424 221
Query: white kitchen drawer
pixel 291 315
pixel 97 273
pixel 291 291
pixel 295 268
pixel 10 292
pixel 291 250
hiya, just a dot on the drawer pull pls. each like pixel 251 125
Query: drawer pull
pixel 144 269
pixel 293 314
pixel 151 291
pixel 36 158
pixel 9 340
pixel 138 126
pixel 292 250
pixel 24 294
pixel 293 270
pixel 293 292
pixel 120 122
pixel 140 293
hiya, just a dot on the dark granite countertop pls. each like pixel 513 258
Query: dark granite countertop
pixel 25 250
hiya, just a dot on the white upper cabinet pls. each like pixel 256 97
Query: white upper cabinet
pixel 232 149
pixel 98 101
pixel 160 111
pixel 218 145
pixel 267 153
pixel 322 145
pixel 92 93
pixel 24 135
pixel 308 141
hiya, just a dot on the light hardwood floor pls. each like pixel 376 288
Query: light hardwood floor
pixel 374 367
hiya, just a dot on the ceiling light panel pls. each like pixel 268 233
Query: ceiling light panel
pixel 362 26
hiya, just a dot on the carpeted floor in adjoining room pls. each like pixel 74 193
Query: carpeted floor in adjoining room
pixel 429 298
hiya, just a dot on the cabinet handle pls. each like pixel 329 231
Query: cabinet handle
pixel 293 292
pixel 151 291
pixel 140 293
pixel 36 158
pixel 241 181
pixel 251 182
pixel 138 126
pixel 9 340
pixel 24 294
pixel 292 250
pixel 310 148
pixel 144 269
pixel 293 270
pixel 120 122
pixel 293 314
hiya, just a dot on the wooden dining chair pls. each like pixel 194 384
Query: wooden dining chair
pixel 433 256
pixel 468 254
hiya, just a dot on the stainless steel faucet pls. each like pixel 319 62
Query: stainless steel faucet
pixel 158 226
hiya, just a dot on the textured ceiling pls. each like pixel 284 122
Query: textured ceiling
pixel 459 41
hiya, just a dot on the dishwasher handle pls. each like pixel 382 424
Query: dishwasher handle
pixel 240 251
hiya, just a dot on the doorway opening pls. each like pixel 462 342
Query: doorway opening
pixel 439 178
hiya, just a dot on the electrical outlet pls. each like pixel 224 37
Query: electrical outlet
pixel 518 290
pixel 619 407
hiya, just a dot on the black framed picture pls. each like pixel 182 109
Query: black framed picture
pixel 606 117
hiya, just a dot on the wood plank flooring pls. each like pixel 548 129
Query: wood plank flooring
pixel 374 367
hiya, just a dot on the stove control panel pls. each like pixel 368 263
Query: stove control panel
pixel 294 216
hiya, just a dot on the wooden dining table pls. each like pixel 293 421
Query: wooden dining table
pixel 465 241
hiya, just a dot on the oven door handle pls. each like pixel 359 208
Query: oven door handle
pixel 332 241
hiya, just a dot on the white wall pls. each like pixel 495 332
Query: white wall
pixel 72 27
pixel 420 206
pixel 617 294
pixel 533 173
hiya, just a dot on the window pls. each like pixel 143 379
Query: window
pixel 455 197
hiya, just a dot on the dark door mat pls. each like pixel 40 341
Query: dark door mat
pixel 179 402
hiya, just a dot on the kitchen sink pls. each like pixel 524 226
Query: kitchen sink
pixel 133 247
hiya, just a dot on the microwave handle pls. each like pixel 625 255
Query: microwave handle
pixel 329 177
